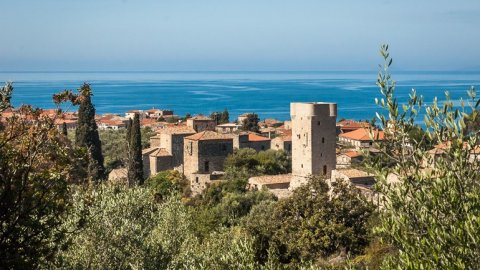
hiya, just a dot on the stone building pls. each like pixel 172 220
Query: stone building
pixel 346 159
pixel 283 142
pixel 204 155
pixel 251 140
pixel 201 123
pixel 361 138
pixel 345 126
pixel 313 140
pixel 228 128
pixel 166 150
pixel 131 114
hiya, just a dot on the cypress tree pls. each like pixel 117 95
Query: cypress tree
pixel 64 129
pixel 251 123
pixel 225 117
pixel 129 132
pixel 86 134
pixel 135 163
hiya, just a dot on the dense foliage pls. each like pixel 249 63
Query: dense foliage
pixel 246 162
pixel 36 165
pixel 431 199
pixel 114 146
pixel 221 117
pixel 250 123
pixel 313 223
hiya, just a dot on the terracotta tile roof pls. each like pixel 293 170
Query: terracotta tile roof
pixel 177 130
pixel 160 152
pixel 363 134
pixel 287 135
pixel 148 122
pixel 351 124
pixel 270 179
pixel 208 135
pixel 66 121
pixel 252 137
pixel 153 110
pixel 353 154
pixel 147 151
pixel 201 118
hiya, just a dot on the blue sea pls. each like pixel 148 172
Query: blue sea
pixel 266 93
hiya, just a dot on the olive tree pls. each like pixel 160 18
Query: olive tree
pixel 430 203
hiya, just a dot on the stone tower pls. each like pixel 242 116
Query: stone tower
pixel 313 140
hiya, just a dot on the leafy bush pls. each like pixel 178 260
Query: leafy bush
pixel 246 162
pixel 313 223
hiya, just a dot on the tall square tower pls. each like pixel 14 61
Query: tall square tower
pixel 313 140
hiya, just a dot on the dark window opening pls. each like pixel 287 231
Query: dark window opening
pixel 324 169
pixel 301 165
pixel 207 166
pixel 318 123
pixel 196 180
pixel 323 139
pixel 263 147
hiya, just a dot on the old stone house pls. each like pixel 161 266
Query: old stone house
pixel 346 159
pixel 251 140
pixel 283 142
pixel 204 155
pixel 200 123
pixel 166 150
pixel 361 138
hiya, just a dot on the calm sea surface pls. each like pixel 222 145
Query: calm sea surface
pixel 266 93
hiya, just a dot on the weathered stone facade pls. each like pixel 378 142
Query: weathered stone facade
pixel 201 123
pixel 251 140
pixel 313 140
pixel 283 142
pixel 205 153
pixel 167 149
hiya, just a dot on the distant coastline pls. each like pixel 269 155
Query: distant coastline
pixel 268 93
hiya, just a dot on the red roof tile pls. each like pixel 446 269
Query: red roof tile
pixel 363 134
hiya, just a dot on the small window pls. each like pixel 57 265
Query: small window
pixel 190 149
pixel 318 123
pixel 371 143
pixel 323 139
pixel 196 180
pixel 263 147
pixel 298 136
pixel 301 165
pixel 207 166
pixel 321 154
pixel 324 169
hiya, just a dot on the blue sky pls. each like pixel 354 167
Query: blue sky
pixel 161 35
